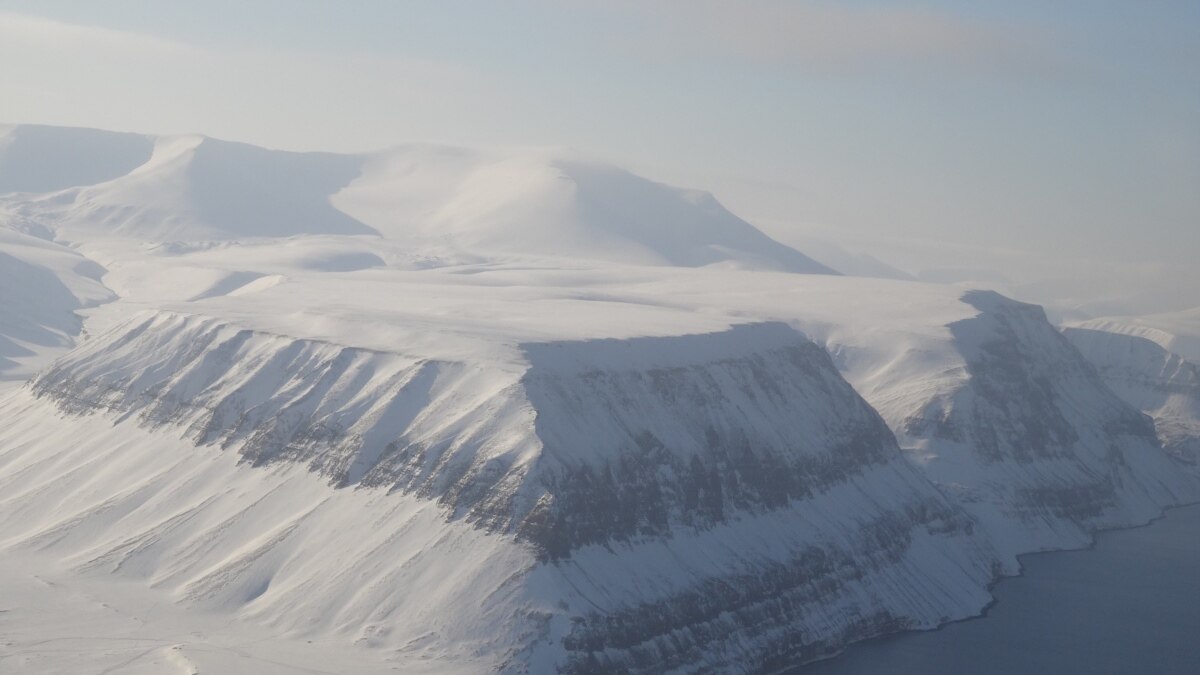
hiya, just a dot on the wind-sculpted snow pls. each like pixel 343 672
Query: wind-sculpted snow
pixel 609 461
pixel 1162 384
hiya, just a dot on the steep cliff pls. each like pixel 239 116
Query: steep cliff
pixel 704 501
pixel 1009 419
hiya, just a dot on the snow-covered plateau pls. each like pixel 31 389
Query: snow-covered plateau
pixel 450 410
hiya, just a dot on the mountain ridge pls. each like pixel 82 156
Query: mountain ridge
pixel 528 201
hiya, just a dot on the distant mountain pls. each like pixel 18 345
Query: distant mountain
pixel 1150 362
pixel 556 204
pixel 35 158
pixel 1177 332
pixel 521 201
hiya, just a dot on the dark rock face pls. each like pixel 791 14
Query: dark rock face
pixel 1030 426
pixel 625 499
pixel 637 452
pixel 773 600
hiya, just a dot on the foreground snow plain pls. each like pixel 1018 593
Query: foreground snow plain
pixel 453 410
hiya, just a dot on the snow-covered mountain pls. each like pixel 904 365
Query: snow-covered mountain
pixel 1137 363
pixel 652 503
pixel 507 410
pixel 1176 332
pixel 1029 439
pixel 517 201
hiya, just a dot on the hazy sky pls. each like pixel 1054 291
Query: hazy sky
pixel 1067 128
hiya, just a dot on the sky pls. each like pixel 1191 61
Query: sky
pixel 1051 149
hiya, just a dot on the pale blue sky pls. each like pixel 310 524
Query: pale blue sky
pixel 1070 127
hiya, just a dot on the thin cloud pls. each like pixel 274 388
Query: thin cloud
pixel 39 33
pixel 82 75
pixel 828 36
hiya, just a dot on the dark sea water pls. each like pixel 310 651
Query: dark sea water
pixel 1130 605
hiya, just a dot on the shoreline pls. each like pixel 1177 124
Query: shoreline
pixel 799 668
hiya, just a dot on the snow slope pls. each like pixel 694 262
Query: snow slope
pixel 200 188
pixel 42 285
pixel 229 558
pixel 554 203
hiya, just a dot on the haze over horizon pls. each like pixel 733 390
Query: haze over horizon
pixel 1050 152
pixel 582 337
